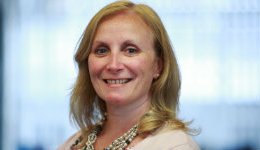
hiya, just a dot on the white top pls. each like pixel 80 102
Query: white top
pixel 164 139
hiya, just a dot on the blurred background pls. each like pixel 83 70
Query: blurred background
pixel 216 43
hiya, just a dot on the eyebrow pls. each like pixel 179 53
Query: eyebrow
pixel 129 42
pixel 124 44
pixel 98 43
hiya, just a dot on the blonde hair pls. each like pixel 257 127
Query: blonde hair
pixel 85 106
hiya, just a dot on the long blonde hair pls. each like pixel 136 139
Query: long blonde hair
pixel 85 106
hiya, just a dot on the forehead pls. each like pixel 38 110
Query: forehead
pixel 131 15
pixel 122 23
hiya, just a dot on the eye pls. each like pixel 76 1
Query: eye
pixel 130 50
pixel 101 51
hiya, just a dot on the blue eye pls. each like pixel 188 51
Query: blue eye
pixel 101 51
pixel 131 50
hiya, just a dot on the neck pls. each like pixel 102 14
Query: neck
pixel 122 118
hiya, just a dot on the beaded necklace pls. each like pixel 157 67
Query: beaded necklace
pixel 119 144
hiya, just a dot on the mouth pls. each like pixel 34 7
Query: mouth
pixel 117 81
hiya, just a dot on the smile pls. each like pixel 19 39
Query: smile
pixel 117 81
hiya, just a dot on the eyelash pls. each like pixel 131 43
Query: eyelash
pixel 131 50
pixel 101 50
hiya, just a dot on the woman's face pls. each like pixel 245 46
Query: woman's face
pixel 122 63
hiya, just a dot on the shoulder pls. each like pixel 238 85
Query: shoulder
pixel 168 140
pixel 70 141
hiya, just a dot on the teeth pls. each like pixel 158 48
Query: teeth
pixel 122 81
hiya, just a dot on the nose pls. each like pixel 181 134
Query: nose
pixel 114 64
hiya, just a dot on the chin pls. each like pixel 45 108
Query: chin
pixel 115 100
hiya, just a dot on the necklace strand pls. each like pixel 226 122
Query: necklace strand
pixel 119 144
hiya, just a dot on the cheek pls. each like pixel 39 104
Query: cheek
pixel 145 66
pixel 94 67
pixel 90 66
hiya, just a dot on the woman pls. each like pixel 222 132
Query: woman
pixel 127 89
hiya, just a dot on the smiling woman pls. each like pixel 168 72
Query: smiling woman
pixel 120 66
pixel 127 90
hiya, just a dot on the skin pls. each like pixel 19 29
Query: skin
pixel 122 66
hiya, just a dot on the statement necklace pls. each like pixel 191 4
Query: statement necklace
pixel 119 144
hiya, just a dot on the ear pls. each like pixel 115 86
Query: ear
pixel 158 68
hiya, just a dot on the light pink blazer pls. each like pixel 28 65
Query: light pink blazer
pixel 163 139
